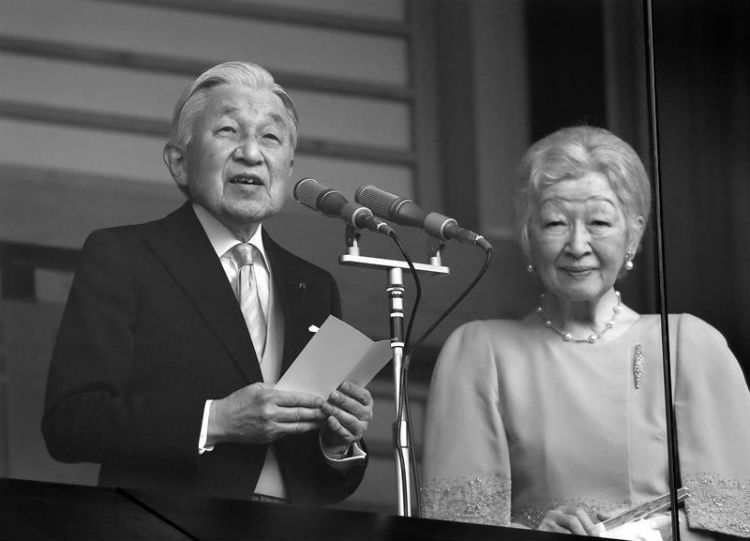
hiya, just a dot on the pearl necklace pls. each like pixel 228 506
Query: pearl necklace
pixel 591 339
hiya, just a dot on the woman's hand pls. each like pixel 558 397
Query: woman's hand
pixel 569 519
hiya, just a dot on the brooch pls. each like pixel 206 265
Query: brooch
pixel 637 366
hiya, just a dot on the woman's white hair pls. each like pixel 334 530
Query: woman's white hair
pixel 571 153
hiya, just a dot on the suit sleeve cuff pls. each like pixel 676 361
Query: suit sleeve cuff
pixel 202 447
pixel 353 455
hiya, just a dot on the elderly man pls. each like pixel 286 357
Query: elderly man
pixel 176 330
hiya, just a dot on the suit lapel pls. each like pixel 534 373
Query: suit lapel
pixel 188 255
pixel 297 300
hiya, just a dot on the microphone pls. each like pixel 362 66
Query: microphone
pixel 406 212
pixel 332 203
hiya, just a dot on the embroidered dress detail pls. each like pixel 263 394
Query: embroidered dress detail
pixel 718 504
pixel 481 500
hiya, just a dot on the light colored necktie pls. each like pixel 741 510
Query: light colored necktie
pixel 248 297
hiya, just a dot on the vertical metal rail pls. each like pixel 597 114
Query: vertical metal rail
pixel 672 450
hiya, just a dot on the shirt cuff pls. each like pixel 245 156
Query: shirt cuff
pixel 353 455
pixel 202 447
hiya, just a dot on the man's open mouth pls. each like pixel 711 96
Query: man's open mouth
pixel 247 180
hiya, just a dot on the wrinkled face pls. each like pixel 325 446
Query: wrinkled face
pixel 579 238
pixel 238 162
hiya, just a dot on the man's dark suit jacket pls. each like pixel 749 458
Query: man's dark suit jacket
pixel 150 331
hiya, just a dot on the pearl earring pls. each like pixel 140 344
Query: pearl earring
pixel 629 255
pixel 530 268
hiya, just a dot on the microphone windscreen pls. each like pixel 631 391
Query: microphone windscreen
pixel 392 207
pixel 377 200
pixel 307 190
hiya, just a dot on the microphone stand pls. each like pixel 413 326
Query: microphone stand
pixel 395 291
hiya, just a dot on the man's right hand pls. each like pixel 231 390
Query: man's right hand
pixel 260 414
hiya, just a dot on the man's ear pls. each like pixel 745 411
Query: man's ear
pixel 174 159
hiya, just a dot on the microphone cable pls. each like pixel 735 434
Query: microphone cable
pixel 404 403
pixel 456 302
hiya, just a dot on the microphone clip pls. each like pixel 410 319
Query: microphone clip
pixel 434 247
pixel 351 236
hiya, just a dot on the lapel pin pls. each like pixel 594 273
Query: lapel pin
pixel 313 328
pixel 302 285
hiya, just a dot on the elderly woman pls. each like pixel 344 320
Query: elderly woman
pixel 557 420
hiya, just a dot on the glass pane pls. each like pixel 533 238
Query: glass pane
pixel 555 416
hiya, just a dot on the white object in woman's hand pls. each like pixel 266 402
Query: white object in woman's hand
pixel 654 528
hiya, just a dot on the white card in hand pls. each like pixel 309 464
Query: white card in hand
pixel 336 353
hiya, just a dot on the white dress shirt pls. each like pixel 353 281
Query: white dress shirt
pixel 270 482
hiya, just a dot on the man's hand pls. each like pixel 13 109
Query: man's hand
pixel 349 412
pixel 259 414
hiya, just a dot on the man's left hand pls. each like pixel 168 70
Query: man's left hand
pixel 349 411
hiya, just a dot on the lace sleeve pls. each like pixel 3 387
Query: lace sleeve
pixel 481 500
pixel 466 461
pixel 718 504
pixel 712 410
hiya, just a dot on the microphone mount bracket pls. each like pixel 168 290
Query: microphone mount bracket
pixel 354 259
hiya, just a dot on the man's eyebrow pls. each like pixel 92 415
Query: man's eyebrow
pixel 279 119
pixel 228 110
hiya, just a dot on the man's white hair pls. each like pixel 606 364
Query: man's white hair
pixel 245 74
